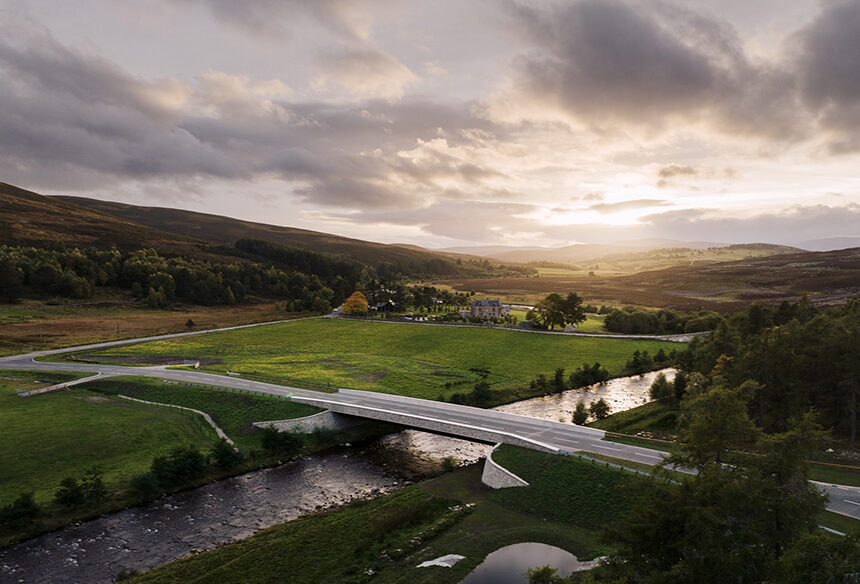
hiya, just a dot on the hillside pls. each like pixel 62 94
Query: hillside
pixel 29 218
pixel 828 277
pixel 219 230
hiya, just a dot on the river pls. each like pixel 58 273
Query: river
pixel 229 510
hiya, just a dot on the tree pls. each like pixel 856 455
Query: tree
pixel 558 381
pixel 287 443
pixel 548 312
pixel 356 304
pixel 599 409
pixel 70 493
pixel 481 394
pixel 93 486
pixel 661 388
pixel 21 512
pixel 571 308
pixel 189 324
pixel 728 523
pixel 580 414
pixel 714 422
pixel 680 386
pixel 225 455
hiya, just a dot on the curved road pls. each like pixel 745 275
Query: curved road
pixel 426 414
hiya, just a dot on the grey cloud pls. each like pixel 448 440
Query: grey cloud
pixel 627 205
pixel 674 170
pixel 787 227
pixel 276 18
pixel 829 71
pixel 68 114
pixel 648 64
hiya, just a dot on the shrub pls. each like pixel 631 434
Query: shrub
pixel 599 409
pixel 580 414
pixel 225 455
pixel 21 512
pixel 183 465
pixel 661 388
pixel 70 494
pixel 281 442
pixel 145 486
pixel 93 486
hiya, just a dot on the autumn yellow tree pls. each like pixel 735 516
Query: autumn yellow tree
pixel 355 304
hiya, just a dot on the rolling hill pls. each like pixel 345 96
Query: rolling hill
pixel 220 230
pixel 29 218
pixel 828 277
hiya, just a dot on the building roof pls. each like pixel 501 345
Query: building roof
pixel 486 303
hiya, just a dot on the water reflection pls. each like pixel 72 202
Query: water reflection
pixel 509 565
pixel 621 394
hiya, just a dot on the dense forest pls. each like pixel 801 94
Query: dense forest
pixel 79 273
pixel 799 357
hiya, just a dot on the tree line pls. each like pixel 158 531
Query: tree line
pixel 78 273
pixel 640 321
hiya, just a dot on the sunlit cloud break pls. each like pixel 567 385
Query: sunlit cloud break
pixel 447 123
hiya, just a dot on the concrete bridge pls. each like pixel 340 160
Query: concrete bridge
pixel 452 419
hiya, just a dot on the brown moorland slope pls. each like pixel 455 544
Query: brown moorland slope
pixel 216 229
pixel 29 218
pixel 828 277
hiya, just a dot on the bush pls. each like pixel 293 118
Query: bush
pixel 588 375
pixel 183 465
pixel 225 455
pixel 93 486
pixel 580 414
pixel 288 443
pixel 661 388
pixel 599 409
pixel 145 486
pixel 21 512
pixel 70 494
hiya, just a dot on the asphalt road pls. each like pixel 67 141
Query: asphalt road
pixel 552 435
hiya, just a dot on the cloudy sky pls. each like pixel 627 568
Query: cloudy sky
pixel 446 123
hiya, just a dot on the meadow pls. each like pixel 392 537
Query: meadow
pixel 51 436
pixel 407 359
pixel 39 326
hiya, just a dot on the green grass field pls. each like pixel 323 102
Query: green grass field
pixel 415 524
pixel 407 359
pixel 656 419
pixel 232 411
pixel 51 436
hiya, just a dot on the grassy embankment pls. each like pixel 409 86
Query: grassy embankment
pixel 567 503
pixel 407 359
pixel 52 436
pixel 40 327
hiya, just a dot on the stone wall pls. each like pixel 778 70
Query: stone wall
pixel 498 477
pixel 327 420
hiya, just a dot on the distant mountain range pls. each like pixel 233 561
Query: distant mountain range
pixel 584 252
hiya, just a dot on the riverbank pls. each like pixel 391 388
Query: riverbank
pixel 385 539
